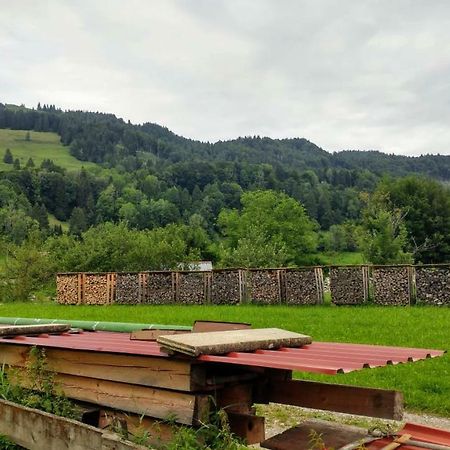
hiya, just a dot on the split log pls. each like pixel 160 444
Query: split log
pixel 68 288
pixel 226 287
pixel 98 288
pixel 433 285
pixel 192 287
pixel 349 285
pixel 159 288
pixel 392 285
pixel 303 287
pixel 128 288
pixel 27 330
pixel 265 286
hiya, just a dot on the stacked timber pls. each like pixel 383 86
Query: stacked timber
pixel 227 287
pixel 392 285
pixel 192 288
pixel 98 288
pixel 433 284
pixel 68 288
pixel 303 286
pixel 129 288
pixel 159 287
pixel 265 286
pixel 349 285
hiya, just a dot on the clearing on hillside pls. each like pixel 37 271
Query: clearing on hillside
pixel 42 145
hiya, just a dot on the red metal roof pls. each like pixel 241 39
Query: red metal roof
pixel 418 433
pixel 320 357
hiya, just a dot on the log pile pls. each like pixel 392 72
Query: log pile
pixel 68 288
pixel 192 288
pixel 227 287
pixel 349 285
pixel 128 288
pixel 159 288
pixel 265 286
pixel 98 288
pixel 303 286
pixel 392 285
pixel 433 285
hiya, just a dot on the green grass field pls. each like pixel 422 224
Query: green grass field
pixel 341 258
pixel 42 146
pixel 425 384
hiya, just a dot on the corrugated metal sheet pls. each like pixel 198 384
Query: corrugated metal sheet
pixel 320 357
pixel 418 433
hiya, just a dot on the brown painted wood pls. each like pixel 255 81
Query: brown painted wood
pixel 247 426
pixel 38 430
pixel 166 373
pixel 236 398
pixel 371 402
pixel 300 437
pixel 16 330
pixel 203 326
pixel 220 342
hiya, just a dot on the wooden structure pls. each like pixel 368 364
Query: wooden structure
pixel 349 285
pixel 392 285
pixel 433 284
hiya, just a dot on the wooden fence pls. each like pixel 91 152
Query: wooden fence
pixel 400 285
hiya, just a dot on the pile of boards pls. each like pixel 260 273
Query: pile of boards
pixel 140 390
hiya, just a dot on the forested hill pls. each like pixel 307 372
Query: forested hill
pixel 103 138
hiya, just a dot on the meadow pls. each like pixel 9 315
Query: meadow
pixel 42 145
pixel 425 384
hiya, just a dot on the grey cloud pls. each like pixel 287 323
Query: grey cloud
pixel 355 74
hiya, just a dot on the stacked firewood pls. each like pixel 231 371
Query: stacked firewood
pixel 349 285
pixel 159 288
pixel 392 285
pixel 192 287
pixel 227 287
pixel 433 285
pixel 128 288
pixel 303 286
pixel 98 288
pixel 68 288
pixel 265 286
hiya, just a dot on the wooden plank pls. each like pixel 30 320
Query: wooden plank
pixel 203 326
pixel 300 437
pixel 152 335
pixel 248 427
pixel 17 330
pixel 187 408
pixel 220 342
pixel 371 402
pixel 38 430
pixel 142 370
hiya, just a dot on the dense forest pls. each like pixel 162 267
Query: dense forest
pixel 249 201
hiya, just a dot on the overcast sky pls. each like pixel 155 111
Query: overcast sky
pixel 344 74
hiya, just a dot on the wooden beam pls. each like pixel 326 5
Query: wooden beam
pixel 204 326
pixel 247 426
pixel 166 373
pixel 38 430
pixel 301 436
pixel 371 402
pixel 17 330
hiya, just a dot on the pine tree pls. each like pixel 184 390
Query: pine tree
pixel 16 164
pixel 8 158
pixel 30 163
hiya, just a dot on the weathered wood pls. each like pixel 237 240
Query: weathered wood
pixel 236 398
pixel 191 287
pixel 433 285
pixel 159 288
pixel 152 335
pixel 128 288
pixel 300 437
pixel 301 287
pixel 226 287
pixel 17 330
pixel 249 427
pixel 187 408
pixel 265 286
pixel 37 430
pixel 371 402
pixel 166 373
pixel 68 288
pixel 203 326
pixel 391 285
pixel 348 285
pixel 97 288
pixel 220 342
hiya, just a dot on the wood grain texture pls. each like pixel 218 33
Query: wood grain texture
pixel 220 342
pixel 26 330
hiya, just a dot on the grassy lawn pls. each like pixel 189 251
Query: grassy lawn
pixel 425 384
pixel 43 145
pixel 341 258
